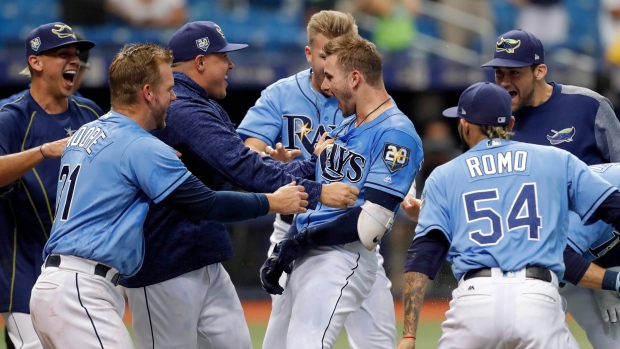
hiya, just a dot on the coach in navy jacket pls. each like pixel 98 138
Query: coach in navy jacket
pixel 181 280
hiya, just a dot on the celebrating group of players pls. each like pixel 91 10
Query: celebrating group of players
pixel 137 197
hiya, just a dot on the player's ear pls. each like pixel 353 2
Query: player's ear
pixel 355 78
pixel 199 63
pixel 512 123
pixel 308 54
pixel 540 72
pixel 147 93
pixel 35 62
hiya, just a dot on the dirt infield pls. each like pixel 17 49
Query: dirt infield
pixel 433 309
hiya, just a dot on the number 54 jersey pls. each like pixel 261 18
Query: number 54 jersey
pixel 505 204
pixel 383 154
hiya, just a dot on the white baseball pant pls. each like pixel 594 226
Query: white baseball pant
pixel 199 309
pixel 373 325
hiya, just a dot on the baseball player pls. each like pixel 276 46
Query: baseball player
pixel 592 243
pixel 77 80
pixel 572 118
pixel 376 149
pixel 183 255
pixel 295 112
pixel 111 169
pixel 500 217
pixel 33 131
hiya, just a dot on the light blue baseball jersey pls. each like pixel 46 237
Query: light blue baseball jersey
pixel 292 112
pixel 505 204
pixel 594 240
pixel 110 171
pixel 383 154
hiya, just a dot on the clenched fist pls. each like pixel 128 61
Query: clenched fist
pixel 288 199
pixel 339 195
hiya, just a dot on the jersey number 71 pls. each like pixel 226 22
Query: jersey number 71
pixel 523 214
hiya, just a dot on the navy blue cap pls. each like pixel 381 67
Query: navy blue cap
pixel 53 35
pixel 517 49
pixel 483 103
pixel 199 38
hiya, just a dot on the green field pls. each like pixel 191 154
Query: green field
pixel 428 335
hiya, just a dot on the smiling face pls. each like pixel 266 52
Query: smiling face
pixel 336 83
pixel 318 64
pixel 58 68
pixel 217 65
pixel 519 82
pixel 163 95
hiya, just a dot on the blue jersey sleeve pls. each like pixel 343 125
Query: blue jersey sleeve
pixel 586 190
pixel 434 211
pixel 394 163
pixel 158 174
pixel 263 120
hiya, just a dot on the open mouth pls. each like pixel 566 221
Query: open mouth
pixel 69 75
pixel 513 94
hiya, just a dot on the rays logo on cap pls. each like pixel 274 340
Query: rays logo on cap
pixel 35 43
pixel 203 44
pixel 219 30
pixel 63 31
pixel 508 45
pixel 395 157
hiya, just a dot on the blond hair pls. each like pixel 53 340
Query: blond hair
pixel 134 66
pixel 331 24
pixel 491 132
pixel 356 53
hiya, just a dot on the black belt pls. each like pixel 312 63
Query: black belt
pixel 288 218
pixel 530 272
pixel 53 260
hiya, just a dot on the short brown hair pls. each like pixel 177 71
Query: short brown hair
pixel 356 53
pixel 134 66
pixel 331 24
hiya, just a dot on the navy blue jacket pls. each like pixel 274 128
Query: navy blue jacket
pixel 201 130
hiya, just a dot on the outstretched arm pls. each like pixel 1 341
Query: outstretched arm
pixel 413 297
pixel 14 166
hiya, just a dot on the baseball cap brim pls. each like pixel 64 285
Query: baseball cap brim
pixel 507 63
pixel 232 47
pixel 451 112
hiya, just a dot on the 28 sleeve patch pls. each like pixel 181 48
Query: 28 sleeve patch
pixel 395 157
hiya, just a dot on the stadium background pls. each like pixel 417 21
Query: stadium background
pixel 424 77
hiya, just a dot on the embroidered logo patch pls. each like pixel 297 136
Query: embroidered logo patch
pixel 203 44
pixel 35 43
pixel 565 135
pixel 395 157
pixel 508 45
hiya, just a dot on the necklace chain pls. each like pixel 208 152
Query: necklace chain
pixel 374 110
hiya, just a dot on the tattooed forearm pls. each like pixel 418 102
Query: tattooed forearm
pixel 414 288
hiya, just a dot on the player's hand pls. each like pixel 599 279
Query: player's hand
pixel 339 195
pixel 322 144
pixel 270 273
pixel 288 199
pixel 292 248
pixel 53 150
pixel 609 304
pixel 411 206
pixel 280 153
pixel 406 343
